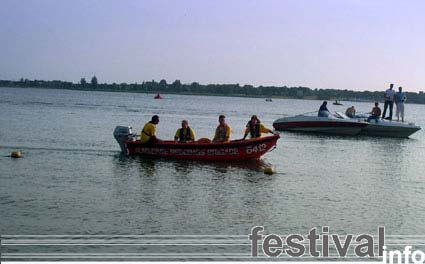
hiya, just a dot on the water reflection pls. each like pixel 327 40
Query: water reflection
pixel 253 165
pixel 183 167
pixel 147 166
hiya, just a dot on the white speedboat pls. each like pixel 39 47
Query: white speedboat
pixel 384 128
pixel 311 122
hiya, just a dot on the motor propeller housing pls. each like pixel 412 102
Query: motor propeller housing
pixel 123 134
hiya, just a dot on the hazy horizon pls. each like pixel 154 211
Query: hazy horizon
pixel 353 44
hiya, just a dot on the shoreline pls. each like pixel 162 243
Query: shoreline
pixel 198 94
pixel 227 90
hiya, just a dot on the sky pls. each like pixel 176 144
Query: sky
pixel 338 44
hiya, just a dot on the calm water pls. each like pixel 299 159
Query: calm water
pixel 73 180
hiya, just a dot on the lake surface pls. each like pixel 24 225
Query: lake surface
pixel 73 180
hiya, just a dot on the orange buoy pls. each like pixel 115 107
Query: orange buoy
pixel 269 170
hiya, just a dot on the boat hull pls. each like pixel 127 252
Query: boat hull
pixel 321 126
pixel 236 150
pixel 384 128
pixel 379 130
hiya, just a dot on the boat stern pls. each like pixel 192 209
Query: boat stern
pixel 122 135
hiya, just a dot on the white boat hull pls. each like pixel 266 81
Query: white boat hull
pixel 385 128
pixel 321 125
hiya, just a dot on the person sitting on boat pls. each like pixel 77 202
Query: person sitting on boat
pixel 184 134
pixel 255 128
pixel 351 112
pixel 375 114
pixel 223 130
pixel 148 134
pixel 323 111
pixel 400 98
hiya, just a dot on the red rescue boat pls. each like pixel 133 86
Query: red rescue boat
pixel 235 150
pixel 158 96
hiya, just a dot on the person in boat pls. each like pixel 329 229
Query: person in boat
pixel 184 134
pixel 148 134
pixel 375 114
pixel 255 128
pixel 400 98
pixel 323 110
pixel 351 112
pixel 389 101
pixel 223 130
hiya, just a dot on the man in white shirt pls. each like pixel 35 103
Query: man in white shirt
pixel 400 98
pixel 389 101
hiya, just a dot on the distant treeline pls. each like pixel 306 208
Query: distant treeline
pixel 213 89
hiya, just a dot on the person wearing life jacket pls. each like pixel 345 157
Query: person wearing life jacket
pixel 223 130
pixel 255 128
pixel 184 134
pixel 148 134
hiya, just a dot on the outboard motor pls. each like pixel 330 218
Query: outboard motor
pixel 123 134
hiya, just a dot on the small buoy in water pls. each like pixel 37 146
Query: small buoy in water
pixel 16 154
pixel 269 170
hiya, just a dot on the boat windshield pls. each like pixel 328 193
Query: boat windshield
pixel 358 115
pixel 331 115
pixel 341 115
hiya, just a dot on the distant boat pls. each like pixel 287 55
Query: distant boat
pixel 158 96
pixel 337 103
pixel 269 100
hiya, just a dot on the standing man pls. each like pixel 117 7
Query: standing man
pixel 148 134
pixel 400 98
pixel 223 130
pixel 389 101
